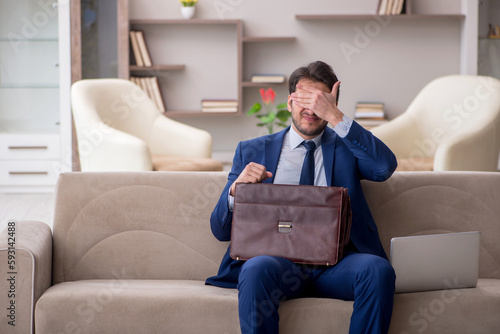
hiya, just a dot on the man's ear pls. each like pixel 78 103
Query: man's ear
pixel 289 103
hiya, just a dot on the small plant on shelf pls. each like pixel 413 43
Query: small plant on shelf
pixel 271 115
pixel 188 8
pixel 188 3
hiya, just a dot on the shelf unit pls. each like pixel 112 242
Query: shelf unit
pixel 134 68
pixel 244 42
pixel 250 40
pixel 372 16
pixel 35 117
pixel 155 69
pixel 241 41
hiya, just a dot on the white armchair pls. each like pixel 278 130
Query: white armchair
pixel 452 124
pixel 119 128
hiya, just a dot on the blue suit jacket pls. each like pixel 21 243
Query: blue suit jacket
pixel 359 155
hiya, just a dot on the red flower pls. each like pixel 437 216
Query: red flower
pixel 267 95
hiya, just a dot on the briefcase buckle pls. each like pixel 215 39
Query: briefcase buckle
pixel 285 227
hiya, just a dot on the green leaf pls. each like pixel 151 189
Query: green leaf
pixel 282 106
pixel 269 118
pixel 255 109
pixel 260 124
pixel 283 115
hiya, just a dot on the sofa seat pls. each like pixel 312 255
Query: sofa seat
pixel 151 306
pixel 449 311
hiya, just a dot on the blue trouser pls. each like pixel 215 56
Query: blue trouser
pixel 366 279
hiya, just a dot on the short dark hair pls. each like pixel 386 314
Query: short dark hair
pixel 316 71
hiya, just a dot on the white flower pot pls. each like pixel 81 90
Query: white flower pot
pixel 188 12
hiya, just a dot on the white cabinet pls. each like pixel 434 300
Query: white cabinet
pixel 35 79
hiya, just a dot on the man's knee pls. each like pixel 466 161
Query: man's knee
pixel 259 268
pixel 379 271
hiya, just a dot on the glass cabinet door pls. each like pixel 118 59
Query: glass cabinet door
pixel 29 66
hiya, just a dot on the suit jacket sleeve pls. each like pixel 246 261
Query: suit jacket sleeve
pixel 375 160
pixel 221 218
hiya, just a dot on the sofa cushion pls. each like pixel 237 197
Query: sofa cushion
pixel 153 224
pixel 187 306
pixel 417 203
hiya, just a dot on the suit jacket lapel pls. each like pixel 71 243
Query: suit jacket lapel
pixel 273 145
pixel 328 146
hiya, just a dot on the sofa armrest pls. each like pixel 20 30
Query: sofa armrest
pixel 176 139
pixel 27 272
pixel 469 152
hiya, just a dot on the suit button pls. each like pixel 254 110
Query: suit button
pixel 354 141
pixel 364 149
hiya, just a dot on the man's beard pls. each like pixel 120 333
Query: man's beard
pixel 312 132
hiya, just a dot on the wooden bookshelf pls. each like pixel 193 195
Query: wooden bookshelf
pixel 265 39
pixel 144 24
pixel 372 16
pixel 191 113
pixel 249 42
pixel 136 68
pixel 254 39
pixel 184 21
pixel 262 84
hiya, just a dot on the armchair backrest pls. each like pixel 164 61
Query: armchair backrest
pixel 118 103
pixel 455 105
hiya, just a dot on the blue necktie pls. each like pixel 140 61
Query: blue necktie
pixel 307 173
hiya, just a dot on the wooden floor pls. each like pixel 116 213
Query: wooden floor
pixel 26 207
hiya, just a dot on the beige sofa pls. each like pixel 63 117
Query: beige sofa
pixel 130 252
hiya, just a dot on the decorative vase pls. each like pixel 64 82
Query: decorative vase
pixel 188 12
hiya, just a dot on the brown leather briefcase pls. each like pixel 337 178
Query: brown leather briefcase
pixel 305 224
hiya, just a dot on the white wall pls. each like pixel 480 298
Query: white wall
pixel 391 65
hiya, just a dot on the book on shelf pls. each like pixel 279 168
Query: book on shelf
pixel 135 49
pixel 157 94
pixel 220 109
pixel 267 78
pixel 394 7
pixel 208 103
pixel 219 105
pixel 151 87
pixel 369 110
pixel 140 50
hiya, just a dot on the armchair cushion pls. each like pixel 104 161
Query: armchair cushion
pixel 166 163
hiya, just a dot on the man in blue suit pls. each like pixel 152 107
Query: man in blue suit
pixel 343 156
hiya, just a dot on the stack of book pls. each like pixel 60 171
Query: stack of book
pixel 219 106
pixel 151 87
pixel 394 7
pixel 370 114
pixel 139 49
pixel 268 78
pixel 494 31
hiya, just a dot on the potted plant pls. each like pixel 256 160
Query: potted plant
pixel 188 8
pixel 271 115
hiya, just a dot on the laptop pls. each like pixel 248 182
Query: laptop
pixel 436 262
